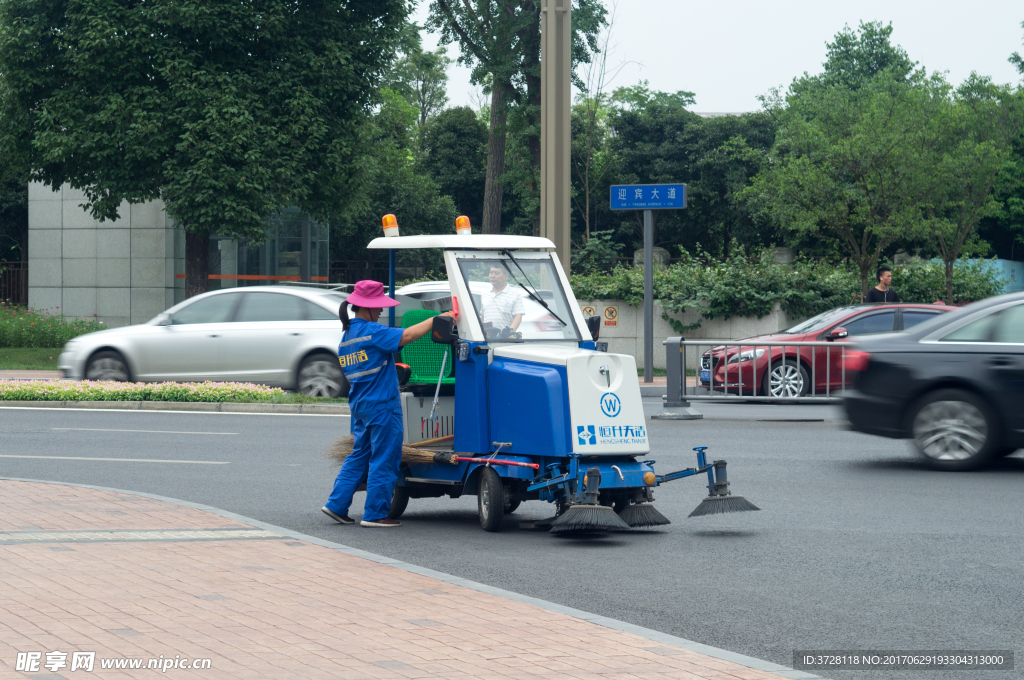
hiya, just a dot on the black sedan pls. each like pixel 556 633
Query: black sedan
pixel 955 384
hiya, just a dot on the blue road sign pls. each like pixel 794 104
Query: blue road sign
pixel 648 197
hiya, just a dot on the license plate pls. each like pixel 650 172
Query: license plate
pixel 705 375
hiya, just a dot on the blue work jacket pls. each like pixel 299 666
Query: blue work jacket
pixel 366 355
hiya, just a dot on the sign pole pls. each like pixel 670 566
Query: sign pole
pixel 648 296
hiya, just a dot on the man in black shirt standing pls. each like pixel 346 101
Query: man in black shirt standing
pixel 882 292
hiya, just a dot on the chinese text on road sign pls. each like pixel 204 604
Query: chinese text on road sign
pixel 648 197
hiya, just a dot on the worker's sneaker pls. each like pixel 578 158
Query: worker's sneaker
pixel 344 519
pixel 386 522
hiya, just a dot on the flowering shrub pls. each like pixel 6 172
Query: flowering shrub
pixel 23 327
pixel 52 390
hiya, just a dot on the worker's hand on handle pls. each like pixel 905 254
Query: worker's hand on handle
pixel 419 330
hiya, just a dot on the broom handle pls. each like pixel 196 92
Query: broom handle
pixel 466 459
pixel 432 441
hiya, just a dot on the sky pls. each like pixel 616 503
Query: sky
pixel 728 53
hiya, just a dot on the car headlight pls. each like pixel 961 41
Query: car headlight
pixel 746 355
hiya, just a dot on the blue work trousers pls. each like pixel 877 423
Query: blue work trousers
pixel 376 457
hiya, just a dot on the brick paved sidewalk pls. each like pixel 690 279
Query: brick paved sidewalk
pixel 123 576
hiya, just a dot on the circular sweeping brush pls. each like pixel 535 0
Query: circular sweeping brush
pixel 638 515
pixel 342 447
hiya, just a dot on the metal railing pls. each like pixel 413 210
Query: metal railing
pixel 813 371
pixel 14 282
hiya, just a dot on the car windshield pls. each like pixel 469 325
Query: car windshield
pixel 518 300
pixel 816 323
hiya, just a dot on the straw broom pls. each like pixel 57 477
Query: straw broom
pixel 342 447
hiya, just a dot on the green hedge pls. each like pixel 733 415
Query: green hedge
pixel 23 327
pixel 751 286
pixel 52 390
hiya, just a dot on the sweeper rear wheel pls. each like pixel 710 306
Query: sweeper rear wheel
pixel 399 501
pixel 490 500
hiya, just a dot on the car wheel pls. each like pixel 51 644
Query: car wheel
pixel 399 502
pixel 490 500
pixel 786 379
pixel 108 365
pixel 1005 451
pixel 954 430
pixel 321 376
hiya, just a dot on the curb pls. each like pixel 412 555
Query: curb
pixel 614 624
pixel 202 406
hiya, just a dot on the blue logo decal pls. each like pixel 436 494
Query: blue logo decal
pixel 586 434
pixel 610 405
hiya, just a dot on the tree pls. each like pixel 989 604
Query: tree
pixel 852 166
pixel 454 154
pixel 421 77
pixel 658 141
pixel 394 186
pixel 13 211
pixel 978 127
pixel 1016 59
pixel 225 110
pixel 500 41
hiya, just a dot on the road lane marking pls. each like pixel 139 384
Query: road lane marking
pixel 105 429
pixel 125 460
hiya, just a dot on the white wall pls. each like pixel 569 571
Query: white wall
pixel 627 336
pixel 119 271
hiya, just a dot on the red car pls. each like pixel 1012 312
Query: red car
pixel 745 368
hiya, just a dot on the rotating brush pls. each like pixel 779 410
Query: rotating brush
pixel 638 515
pixel 720 500
pixel 589 516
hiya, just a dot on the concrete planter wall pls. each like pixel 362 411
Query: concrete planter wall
pixel 627 335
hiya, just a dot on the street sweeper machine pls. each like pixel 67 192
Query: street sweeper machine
pixel 515 403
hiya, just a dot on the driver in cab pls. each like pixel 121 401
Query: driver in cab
pixel 501 306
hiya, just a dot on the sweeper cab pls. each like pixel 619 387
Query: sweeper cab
pixel 511 401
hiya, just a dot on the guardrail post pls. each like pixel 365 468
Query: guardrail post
pixel 675 406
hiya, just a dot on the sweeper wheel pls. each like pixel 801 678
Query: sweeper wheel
pixel 490 500
pixel 399 501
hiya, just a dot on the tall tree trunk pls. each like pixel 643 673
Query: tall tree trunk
pixel 949 282
pixel 493 187
pixel 197 262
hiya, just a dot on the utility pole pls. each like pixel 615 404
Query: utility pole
pixel 555 103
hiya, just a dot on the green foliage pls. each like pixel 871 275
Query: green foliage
pixel 420 77
pixel 13 209
pixel 599 252
pixel 29 358
pixel 926 281
pixel 454 154
pixel 225 110
pixel 22 327
pixel 751 286
pixel 394 186
pixel 715 157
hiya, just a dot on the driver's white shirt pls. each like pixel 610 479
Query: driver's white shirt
pixel 500 308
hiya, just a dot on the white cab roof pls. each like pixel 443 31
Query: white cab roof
pixel 472 241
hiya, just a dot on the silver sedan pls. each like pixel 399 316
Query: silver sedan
pixel 275 335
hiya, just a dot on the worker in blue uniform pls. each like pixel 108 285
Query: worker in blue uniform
pixel 366 354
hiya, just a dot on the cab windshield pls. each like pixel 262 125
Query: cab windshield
pixel 518 300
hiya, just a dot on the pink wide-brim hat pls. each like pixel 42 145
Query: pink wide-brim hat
pixel 370 294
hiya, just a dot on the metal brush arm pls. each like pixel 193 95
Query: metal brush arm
pixel 688 472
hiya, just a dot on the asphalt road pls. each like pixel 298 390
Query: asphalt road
pixel 856 546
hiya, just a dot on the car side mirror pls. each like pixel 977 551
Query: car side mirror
pixel 444 331
pixel 837 333
pixel 594 326
pixel 164 320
